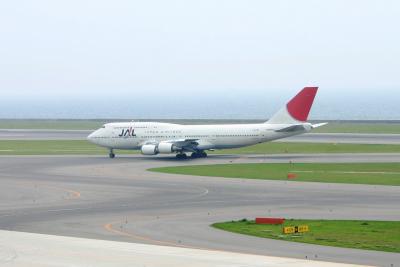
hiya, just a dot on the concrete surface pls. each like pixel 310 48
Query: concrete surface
pixel 96 197
pixel 27 249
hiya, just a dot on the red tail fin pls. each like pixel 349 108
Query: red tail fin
pixel 297 109
pixel 300 105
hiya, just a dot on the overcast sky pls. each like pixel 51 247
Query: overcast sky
pixel 180 52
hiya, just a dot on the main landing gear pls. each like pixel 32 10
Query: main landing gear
pixel 181 156
pixel 111 155
pixel 199 154
pixel 194 155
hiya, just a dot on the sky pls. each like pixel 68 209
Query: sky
pixel 198 59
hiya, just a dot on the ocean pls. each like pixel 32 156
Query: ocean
pixel 378 106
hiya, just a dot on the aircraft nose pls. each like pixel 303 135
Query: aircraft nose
pixel 91 136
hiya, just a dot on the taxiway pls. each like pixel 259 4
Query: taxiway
pixel 96 197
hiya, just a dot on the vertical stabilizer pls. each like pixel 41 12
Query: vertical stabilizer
pixel 297 109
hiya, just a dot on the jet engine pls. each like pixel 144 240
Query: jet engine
pixel 165 147
pixel 149 150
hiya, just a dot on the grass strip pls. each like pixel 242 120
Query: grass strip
pixel 54 147
pixel 349 173
pixel 370 235
pixel 289 147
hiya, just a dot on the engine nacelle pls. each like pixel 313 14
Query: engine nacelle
pixel 149 150
pixel 165 147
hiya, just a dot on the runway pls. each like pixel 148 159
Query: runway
pixel 31 134
pixel 95 197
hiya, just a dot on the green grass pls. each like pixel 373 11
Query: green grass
pixel 53 147
pixel 49 147
pixel 359 127
pixel 370 235
pixel 289 147
pixel 352 173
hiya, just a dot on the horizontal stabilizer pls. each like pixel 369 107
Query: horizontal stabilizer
pixel 293 128
pixel 318 125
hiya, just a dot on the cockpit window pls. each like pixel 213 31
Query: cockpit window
pixel 103 126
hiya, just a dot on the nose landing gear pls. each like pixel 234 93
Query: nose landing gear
pixel 111 154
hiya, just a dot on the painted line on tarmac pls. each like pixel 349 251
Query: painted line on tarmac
pixel 72 194
pixel 109 227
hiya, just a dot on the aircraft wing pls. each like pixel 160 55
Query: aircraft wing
pixel 183 144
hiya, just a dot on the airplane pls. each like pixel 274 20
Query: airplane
pixel 153 138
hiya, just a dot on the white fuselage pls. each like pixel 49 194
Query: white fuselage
pixel 155 137
pixel 133 135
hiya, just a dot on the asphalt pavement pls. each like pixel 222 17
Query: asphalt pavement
pixel 118 199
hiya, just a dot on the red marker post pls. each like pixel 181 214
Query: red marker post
pixel 270 220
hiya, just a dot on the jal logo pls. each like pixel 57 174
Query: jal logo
pixel 127 132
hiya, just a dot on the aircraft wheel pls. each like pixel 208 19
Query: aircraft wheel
pixel 203 154
pixel 111 155
pixel 181 156
pixel 195 155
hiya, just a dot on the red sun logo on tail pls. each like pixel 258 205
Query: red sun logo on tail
pixel 300 105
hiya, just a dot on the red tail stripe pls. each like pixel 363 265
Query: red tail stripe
pixel 300 105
